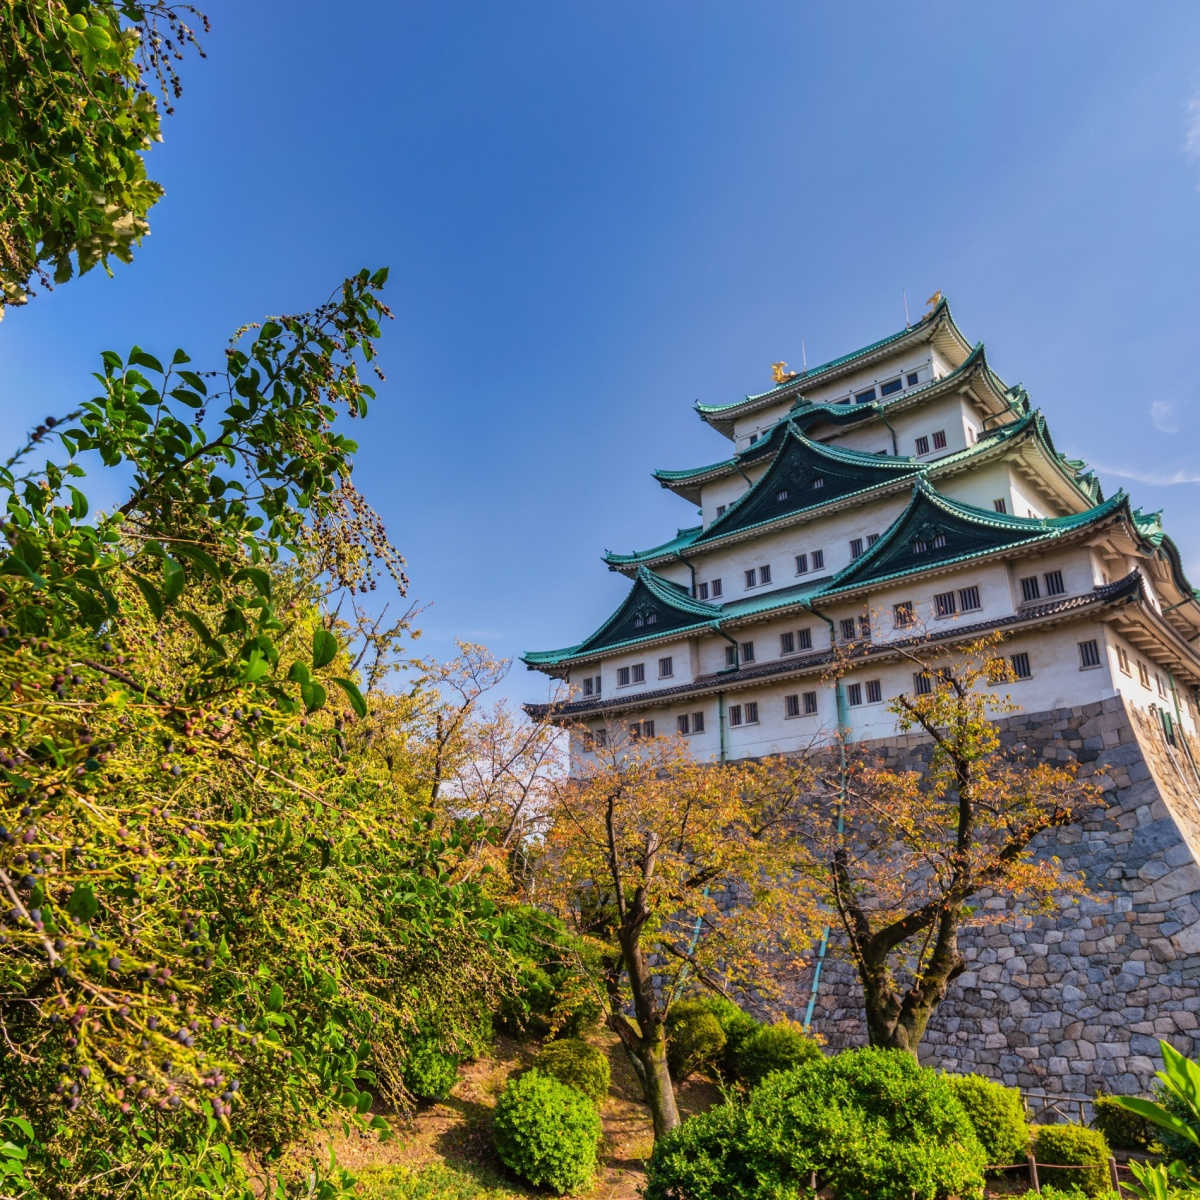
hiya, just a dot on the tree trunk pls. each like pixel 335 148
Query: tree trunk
pixel 660 1090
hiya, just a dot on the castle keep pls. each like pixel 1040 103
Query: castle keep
pixel 904 489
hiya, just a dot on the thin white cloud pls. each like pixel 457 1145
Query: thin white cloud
pixel 1163 416
pixel 1153 478
pixel 1191 132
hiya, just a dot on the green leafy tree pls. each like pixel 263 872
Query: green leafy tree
pixel 80 107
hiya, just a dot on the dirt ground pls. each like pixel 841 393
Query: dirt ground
pixel 457 1130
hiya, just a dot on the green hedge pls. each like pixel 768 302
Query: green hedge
pixel 430 1072
pixel 695 1039
pixel 573 1062
pixel 997 1115
pixel 1122 1129
pixel 1077 1146
pixel 777 1047
pixel 546 1132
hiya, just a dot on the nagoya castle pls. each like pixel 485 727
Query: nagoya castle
pixel 905 490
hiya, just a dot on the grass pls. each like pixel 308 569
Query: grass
pixel 434 1181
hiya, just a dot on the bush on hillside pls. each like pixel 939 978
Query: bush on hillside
pixel 573 1062
pixel 695 1039
pixel 872 1124
pixel 430 1071
pixel 777 1047
pixel 997 1115
pixel 1074 1146
pixel 1122 1129
pixel 546 1132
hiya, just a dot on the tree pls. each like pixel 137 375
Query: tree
pixel 906 855
pixel 82 81
pixel 686 872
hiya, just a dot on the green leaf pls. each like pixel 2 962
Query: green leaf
pixel 82 903
pixel 200 558
pixel 150 594
pixel 299 673
pixel 314 695
pixel 140 358
pixel 256 667
pixel 79 503
pixel 202 632
pixel 353 695
pixel 275 998
pixel 98 38
pixel 324 648
pixel 259 578
pixel 173 580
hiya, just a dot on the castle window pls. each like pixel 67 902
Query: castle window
pixel 801 564
pixel 735 714
pixel 747 652
pixel 856 547
pixel 731 656
pixel 1160 683
pixel 752 713
pixel 652 618
pixel 639 672
pixel 818 482
pixel 687 723
pixel 872 538
pixel 716 588
pixel 911 379
pixel 902 614
pixel 939 439
pixel 1054 583
pixel 1020 666
pixel 818 560
pixel 922 445
pixel 854 694
pixel 919 546
pixel 891 387
pixel 1123 660
pixel 597 737
pixel 939 541
pixel 922 683
pixel 721 509
pixel 782 494
pixel 635 731
pixel 697 722
pixel 647 729
pixel 968 599
pixel 864 626
pixel 787 643
pixel 1000 505
pixel 682 724
pixel 1089 654
pixel 702 591
pixel 804 639
pixel 1143 674
pixel 588 685
pixel 1030 588
pixel 753 438
pixel 751 577
pixel 847 629
pixel 666 667
pixel 791 705
pixel 810 703
pixel 864 397
pixel 622 677
pixel 943 604
pixel 874 691
pixel 764 574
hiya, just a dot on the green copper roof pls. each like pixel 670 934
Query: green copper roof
pixel 804 376
pixel 937 531
pixel 932 531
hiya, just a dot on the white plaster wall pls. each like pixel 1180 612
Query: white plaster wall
pixel 726 491
pixel 1131 687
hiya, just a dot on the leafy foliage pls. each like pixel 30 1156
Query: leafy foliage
pixel 1122 1129
pixel 997 1115
pixel 777 1047
pixel 574 1062
pixel 872 1125
pixel 547 1132
pixel 1077 1146
pixel 430 1072
pixel 77 116
pixel 695 1039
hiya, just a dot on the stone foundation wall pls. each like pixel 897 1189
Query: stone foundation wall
pixel 1075 1002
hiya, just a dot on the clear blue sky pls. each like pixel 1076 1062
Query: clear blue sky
pixel 596 213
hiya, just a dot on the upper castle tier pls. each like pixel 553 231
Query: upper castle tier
pixel 900 493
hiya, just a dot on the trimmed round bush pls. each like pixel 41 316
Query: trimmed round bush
pixel 1122 1129
pixel 695 1039
pixel 708 1157
pixel 573 1062
pixel 1074 1146
pixel 777 1047
pixel 872 1124
pixel 430 1071
pixel 997 1115
pixel 546 1132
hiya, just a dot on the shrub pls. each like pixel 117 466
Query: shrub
pixel 695 1039
pixel 1075 1146
pixel 736 1024
pixel 708 1157
pixel 777 1047
pixel 430 1072
pixel 546 1132
pixel 996 1114
pixel 573 1062
pixel 1178 1149
pixel 1122 1129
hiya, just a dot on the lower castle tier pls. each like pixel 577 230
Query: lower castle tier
pixel 904 492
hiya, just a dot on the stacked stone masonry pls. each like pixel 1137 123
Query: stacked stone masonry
pixel 1075 1002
